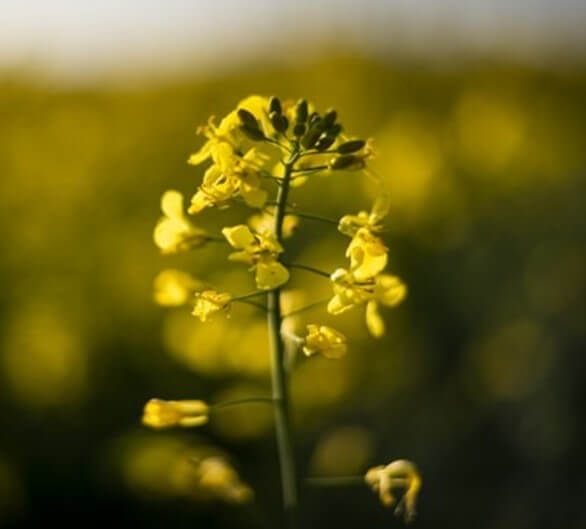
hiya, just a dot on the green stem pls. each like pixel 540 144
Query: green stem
pixel 311 216
pixel 305 308
pixel 278 369
pixel 249 400
pixel 337 481
pixel 309 269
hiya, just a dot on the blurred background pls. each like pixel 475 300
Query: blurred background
pixel 479 114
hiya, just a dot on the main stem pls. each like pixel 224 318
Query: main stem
pixel 278 369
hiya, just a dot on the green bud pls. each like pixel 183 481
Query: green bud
pixel 299 129
pixel 348 161
pixel 280 122
pixel 335 130
pixel 313 134
pixel 330 118
pixel 351 146
pixel 247 119
pixel 275 105
pixel 301 111
pixel 313 118
pixel 254 134
pixel 325 141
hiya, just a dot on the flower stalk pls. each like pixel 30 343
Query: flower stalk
pixel 279 378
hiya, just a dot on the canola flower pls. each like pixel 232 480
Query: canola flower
pixel 174 232
pixel 350 291
pixel 261 251
pixel 210 301
pixel 324 340
pixel 239 156
pixel 398 474
pixel 161 414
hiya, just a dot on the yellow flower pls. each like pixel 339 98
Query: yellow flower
pixel 219 478
pixel 230 176
pixel 261 252
pixel 174 232
pixel 350 224
pixel 167 413
pixel 210 301
pixel 173 288
pixel 350 292
pixel 263 223
pixel 399 474
pixel 324 340
pixel 367 254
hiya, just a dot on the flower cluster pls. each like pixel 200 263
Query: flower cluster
pixel 263 143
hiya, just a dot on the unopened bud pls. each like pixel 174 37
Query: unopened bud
pixel 299 129
pixel 348 162
pixel 351 146
pixel 325 141
pixel 301 111
pixel 313 118
pixel 254 134
pixel 247 119
pixel 274 105
pixel 329 118
pixel 279 121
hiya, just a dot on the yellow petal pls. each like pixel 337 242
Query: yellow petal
pixel 270 274
pixel 380 208
pixel 374 322
pixel 199 202
pixel 254 197
pixel 390 290
pixel 239 236
pixel 173 288
pixel 200 156
pixel 172 204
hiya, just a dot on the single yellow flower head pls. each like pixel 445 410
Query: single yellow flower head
pixel 161 414
pixel 350 224
pixel 400 474
pixel 173 288
pixel 261 251
pixel 324 340
pixel 219 478
pixel 263 223
pixel 349 292
pixel 367 254
pixel 208 302
pixel 174 232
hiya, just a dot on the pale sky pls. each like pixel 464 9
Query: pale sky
pixel 87 37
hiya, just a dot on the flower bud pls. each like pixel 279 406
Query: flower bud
pixel 254 134
pixel 247 119
pixel 329 118
pixel 313 118
pixel 167 413
pixel 325 141
pixel 313 134
pixel 351 146
pixel 275 105
pixel 335 130
pixel 279 121
pixel 299 129
pixel 301 111
pixel 348 162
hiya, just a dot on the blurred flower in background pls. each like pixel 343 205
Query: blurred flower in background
pixel 478 113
